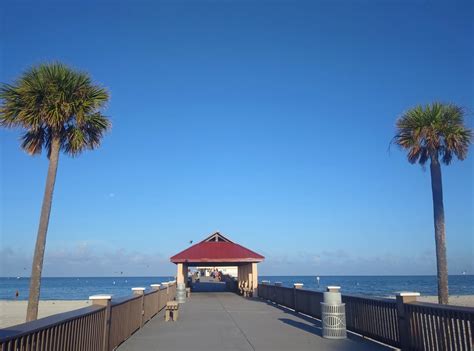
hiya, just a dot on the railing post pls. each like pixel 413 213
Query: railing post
pixel 167 286
pixel 155 287
pixel 141 292
pixel 334 289
pixel 403 327
pixel 104 300
pixel 172 285
pixel 295 287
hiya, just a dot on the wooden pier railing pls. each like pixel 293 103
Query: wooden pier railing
pixel 403 323
pixel 439 327
pixel 375 318
pixel 76 330
pixel 100 327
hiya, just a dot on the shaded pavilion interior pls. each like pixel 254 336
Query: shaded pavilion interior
pixel 218 250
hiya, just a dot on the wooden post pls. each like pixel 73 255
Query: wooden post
pixel 180 273
pixel 250 288
pixel 185 273
pixel 335 289
pixel 255 279
pixel 239 280
pixel 141 292
pixel 156 287
pixel 296 286
pixel 244 267
pixel 403 323
pixel 167 286
pixel 104 300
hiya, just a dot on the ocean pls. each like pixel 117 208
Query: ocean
pixel 383 286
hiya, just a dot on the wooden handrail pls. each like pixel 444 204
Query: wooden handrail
pixel 123 300
pixel 35 326
pixel 100 327
pixel 373 298
pixel 411 325
pixel 448 308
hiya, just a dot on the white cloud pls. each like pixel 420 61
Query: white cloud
pixel 344 263
pixel 81 259
pixel 90 258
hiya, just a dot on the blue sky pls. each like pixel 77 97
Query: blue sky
pixel 267 120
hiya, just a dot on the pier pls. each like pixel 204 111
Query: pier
pixel 226 321
pixel 250 315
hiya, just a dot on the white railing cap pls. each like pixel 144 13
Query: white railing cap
pixel 334 287
pixel 138 289
pixel 165 283
pixel 407 293
pixel 154 285
pixel 100 297
pixel 298 284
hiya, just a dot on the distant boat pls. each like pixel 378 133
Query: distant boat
pixel 18 277
pixel 464 273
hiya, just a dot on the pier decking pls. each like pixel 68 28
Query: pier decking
pixel 226 321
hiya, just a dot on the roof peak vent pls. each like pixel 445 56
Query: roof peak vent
pixel 217 237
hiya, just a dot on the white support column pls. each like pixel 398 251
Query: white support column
pixel 180 273
pixel 185 274
pixel 255 279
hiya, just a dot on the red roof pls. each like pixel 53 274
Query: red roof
pixel 217 249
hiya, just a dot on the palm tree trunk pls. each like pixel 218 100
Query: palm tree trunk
pixel 37 267
pixel 440 232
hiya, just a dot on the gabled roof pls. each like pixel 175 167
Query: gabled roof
pixel 216 248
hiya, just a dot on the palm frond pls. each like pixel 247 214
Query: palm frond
pixel 86 135
pixel 59 101
pixel 435 130
pixel 33 140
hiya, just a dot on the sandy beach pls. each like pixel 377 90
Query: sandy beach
pixel 14 312
pixel 461 300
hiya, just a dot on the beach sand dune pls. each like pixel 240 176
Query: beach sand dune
pixel 14 312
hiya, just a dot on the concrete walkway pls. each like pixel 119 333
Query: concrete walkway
pixel 226 321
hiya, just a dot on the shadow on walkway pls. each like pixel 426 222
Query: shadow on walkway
pixel 316 327
pixel 225 321
pixel 199 287
pixel 303 326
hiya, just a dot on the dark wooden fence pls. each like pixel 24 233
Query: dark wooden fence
pixel 410 326
pixel 437 327
pixel 93 328
pixel 373 317
pixel 76 330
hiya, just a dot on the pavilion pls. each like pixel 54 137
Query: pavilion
pixel 217 250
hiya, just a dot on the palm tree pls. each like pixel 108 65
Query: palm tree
pixel 59 109
pixel 435 132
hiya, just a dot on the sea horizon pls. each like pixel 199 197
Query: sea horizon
pixel 80 288
pixel 266 275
